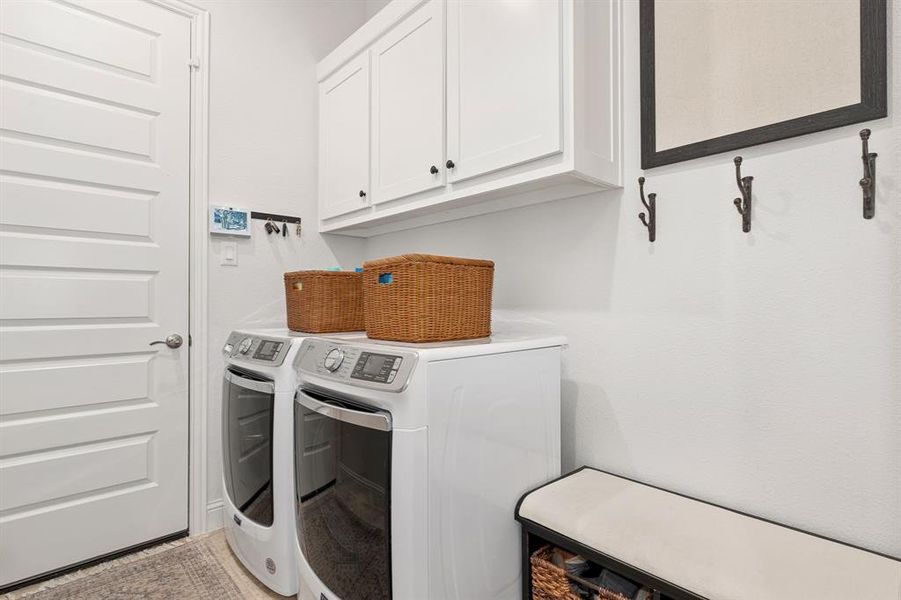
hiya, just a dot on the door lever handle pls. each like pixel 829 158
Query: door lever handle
pixel 173 341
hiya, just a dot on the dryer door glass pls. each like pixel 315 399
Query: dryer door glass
pixel 247 404
pixel 342 461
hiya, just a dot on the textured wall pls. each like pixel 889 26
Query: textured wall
pixel 758 371
pixel 263 153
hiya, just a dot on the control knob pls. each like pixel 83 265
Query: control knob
pixel 244 346
pixel 333 359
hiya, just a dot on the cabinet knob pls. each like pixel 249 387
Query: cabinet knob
pixel 449 164
pixel 433 170
pixel 362 194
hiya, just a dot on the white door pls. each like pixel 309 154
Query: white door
pixel 408 106
pixel 344 139
pixel 94 117
pixel 504 84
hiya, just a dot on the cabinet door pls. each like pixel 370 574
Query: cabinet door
pixel 344 139
pixel 408 106
pixel 504 84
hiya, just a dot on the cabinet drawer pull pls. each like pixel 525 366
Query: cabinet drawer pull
pixel 433 170
pixel 362 194
pixel 449 164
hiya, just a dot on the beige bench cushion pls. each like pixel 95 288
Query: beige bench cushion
pixel 710 551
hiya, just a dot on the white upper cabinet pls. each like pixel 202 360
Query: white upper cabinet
pixel 408 106
pixel 513 102
pixel 504 84
pixel 344 140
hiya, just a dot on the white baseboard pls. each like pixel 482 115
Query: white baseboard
pixel 214 513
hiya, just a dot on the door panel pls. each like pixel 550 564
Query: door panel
pixel 127 46
pixel 408 106
pixel 504 79
pixel 34 295
pixel 344 139
pixel 93 267
pixel 72 206
pixel 34 388
pixel 39 113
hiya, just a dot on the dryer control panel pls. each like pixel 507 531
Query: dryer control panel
pixel 387 370
pixel 254 349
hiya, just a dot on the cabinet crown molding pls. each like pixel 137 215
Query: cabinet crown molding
pixel 380 24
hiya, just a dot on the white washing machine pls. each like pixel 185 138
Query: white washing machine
pixel 410 460
pixel 257 449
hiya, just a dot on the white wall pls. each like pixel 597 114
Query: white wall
pixel 374 6
pixel 263 153
pixel 757 371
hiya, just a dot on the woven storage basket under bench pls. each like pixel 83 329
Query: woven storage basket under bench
pixel 669 546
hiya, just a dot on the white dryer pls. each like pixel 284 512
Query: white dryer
pixel 410 460
pixel 257 451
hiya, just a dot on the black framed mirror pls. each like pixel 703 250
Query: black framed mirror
pixel 717 76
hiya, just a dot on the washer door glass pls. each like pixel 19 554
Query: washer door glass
pixel 342 461
pixel 247 404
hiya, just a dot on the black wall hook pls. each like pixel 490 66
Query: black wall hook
pixel 651 205
pixel 868 183
pixel 743 204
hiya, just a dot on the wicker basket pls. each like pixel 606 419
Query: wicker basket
pixel 550 582
pixel 324 301
pixel 425 298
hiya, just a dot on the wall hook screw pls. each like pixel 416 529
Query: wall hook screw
pixel 743 204
pixel 651 205
pixel 868 183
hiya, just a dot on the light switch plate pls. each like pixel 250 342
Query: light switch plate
pixel 229 254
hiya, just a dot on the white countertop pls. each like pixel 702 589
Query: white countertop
pixel 432 351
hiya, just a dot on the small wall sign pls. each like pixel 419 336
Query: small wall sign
pixel 228 220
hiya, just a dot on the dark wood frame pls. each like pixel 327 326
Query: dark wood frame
pixel 873 95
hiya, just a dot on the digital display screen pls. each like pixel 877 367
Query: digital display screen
pixel 375 363
pixel 381 368
pixel 267 350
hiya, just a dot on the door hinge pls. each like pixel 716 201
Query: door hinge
pixel 194 63
pixel 190 341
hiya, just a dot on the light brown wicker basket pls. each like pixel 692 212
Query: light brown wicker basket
pixel 549 582
pixel 324 301
pixel 427 298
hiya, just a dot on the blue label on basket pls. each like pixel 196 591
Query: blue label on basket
pixel 386 277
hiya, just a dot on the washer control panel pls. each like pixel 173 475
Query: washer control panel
pixel 388 371
pixel 254 349
pixel 381 368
